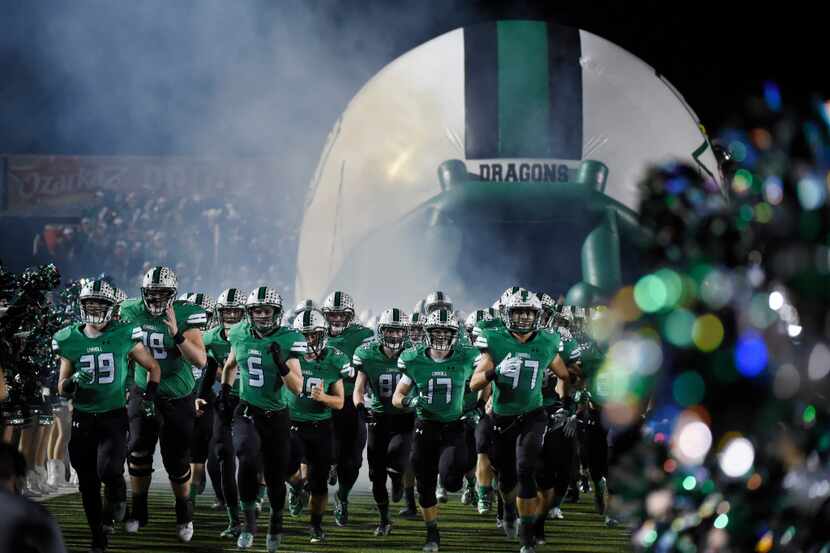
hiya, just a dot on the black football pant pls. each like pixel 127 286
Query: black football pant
pixel 97 450
pixel 389 448
pixel 517 444
pixel 262 441
pixel 439 448
pixel 311 443
pixel 349 441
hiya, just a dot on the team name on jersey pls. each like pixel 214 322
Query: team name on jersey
pixel 439 373
pixel 254 352
pixel 93 348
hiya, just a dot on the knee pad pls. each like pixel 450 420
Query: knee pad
pixel 140 464
pixel 527 485
pixel 185 476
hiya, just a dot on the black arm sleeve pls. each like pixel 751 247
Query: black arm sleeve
pixel 208 378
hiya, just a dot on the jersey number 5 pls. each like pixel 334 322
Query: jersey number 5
pixel 256 378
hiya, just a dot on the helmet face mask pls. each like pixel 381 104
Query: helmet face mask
pixel 392 337
pixel 157 300
pixel 96 311
pixel 264 309
pixel 522 312
pixel 264 318
pixel 339 320
pixel 441 328
pixel 523 319
pixel 158 290
pixel 312 324
pixel 97 303
pixel 229 316
pixel 339 311
pixel 441 339
pixel 230 307
pixel 392 329
pixel 316 340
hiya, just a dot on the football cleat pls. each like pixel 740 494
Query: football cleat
pixel 245 540
pixel 185 532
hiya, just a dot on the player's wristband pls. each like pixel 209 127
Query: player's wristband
pixel 69 387
pixel 480 404
pixel 151 391
pixel 490 375
pixel 282 366
pixel 178 338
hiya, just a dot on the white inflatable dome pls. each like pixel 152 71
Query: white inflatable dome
pixel 515 101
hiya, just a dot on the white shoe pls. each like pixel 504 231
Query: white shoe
pixel 556 513
pixel 34 484
pixel 51 473
pixel 43 477
pixel 245 540
pixel 185 532
pixel 131 526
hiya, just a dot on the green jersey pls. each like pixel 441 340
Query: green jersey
pixel 176 373
pixel 471 397
pixel 260 383
pixel 523 393
pixel 382 377
pixel 218 347
pixel 550 397
pixel 320 373
pixel 105 357
pixel 592 357
pixel 441 385
pixel 347 342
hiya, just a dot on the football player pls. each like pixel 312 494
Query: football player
pixel 439 371
pixel 266 356
pixel 390 428
pixel 171 332
pixel 349 430
pixel 513 359
pixel 93 371
pixel 230 310
pixel 311 426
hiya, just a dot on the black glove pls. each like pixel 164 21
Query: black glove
pixel 148 399
pixel 224 404
pixel 276 354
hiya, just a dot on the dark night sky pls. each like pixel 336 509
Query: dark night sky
pixel 55 103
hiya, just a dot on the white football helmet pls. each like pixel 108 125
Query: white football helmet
pixel 441 329
pixel 158 289
pixel 339 311
pixel 313 325
pixel 263 320
pixel 523 312
pixel 392 328
pixel 97 302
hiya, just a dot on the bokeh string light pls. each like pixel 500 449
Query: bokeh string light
pixel 735 448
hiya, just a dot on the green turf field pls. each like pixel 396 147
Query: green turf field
pixel 461 530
